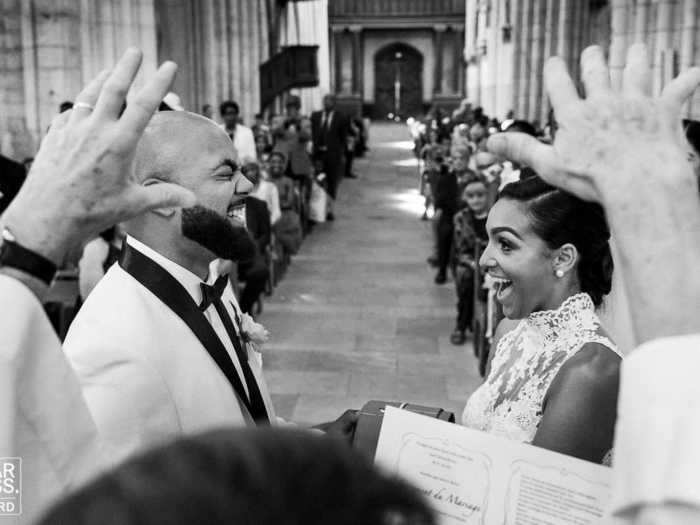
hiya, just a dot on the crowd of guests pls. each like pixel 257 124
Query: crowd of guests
pixel 109 424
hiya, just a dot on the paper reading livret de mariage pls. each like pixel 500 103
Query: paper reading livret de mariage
pixel 474 478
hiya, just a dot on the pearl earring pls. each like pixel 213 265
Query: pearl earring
pixel 559 273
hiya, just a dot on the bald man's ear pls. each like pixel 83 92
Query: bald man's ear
pixel 163 212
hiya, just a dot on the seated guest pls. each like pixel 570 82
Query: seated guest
pixel 469 230
pixel 265 190
pixel 301 166
pixel 228 477
pixel 288 229
pixel 277 165
pixel 446 200
pixel 254 271
pixel 432 154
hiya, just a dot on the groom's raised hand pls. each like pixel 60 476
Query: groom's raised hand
pixel 80 182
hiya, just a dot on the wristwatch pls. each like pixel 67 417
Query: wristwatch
pixel 17 256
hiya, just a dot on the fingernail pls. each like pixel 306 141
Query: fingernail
pixel 168 65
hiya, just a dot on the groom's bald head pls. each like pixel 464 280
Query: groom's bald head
pixel 178 145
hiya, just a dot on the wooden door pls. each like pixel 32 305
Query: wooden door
pixel 402 65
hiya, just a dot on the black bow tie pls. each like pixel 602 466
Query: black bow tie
pixel 212 292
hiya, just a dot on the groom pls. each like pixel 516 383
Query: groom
pixel 158 346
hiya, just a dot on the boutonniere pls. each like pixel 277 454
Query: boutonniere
pixel 253 332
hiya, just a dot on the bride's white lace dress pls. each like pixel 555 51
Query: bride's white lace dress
pixel 527 359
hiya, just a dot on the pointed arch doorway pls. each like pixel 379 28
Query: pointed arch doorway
pixel 398 82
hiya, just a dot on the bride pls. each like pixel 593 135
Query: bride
pixel 554 377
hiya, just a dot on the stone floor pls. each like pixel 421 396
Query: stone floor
pixel 358 317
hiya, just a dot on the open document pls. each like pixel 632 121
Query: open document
pixel 477 479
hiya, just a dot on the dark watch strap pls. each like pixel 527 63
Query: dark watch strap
pixel 16 256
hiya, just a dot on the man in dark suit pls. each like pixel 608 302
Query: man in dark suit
pixel 255 272
pixel 329 130
pixel 11 178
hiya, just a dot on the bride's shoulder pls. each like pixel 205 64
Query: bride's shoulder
pixel 595 365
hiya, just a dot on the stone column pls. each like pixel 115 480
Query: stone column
pixel 51 35
pixel 663 54
pixel 338 58
pixel 526 71
pixel 470 25
pixel 18 100
pixel 536 60
pixel 458 69
pixel 491 59
pixel 438 41
pixel 516 33
pixel 472 76
pixel 642 19
pixel 689 30
pixel 618 41
pixel 357 69
pixel 585 35
pixel 549 29
pixel 483 50
pixel 563 25
pixel 549 38
pixel 109 27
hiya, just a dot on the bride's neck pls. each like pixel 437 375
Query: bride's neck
pixel 557 298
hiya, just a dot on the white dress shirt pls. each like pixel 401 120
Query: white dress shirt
pixel 657 439
pixel 243 142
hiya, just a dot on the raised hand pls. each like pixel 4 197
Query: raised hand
pixel 627 151
pixel 80 182
pixel 610 141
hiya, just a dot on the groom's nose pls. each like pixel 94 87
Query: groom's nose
pixel 241 185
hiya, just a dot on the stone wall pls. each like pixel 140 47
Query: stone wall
pixel 507 42
pixel 50 48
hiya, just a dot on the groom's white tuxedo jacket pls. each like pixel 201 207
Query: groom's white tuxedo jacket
pixel 145 376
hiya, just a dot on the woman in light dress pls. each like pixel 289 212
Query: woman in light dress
pixel 554 376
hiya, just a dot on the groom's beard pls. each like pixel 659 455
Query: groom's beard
pixel 216 233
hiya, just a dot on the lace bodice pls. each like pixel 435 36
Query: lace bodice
pixel 527 360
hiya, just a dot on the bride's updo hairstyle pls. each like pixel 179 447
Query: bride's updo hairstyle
pixel 558 217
